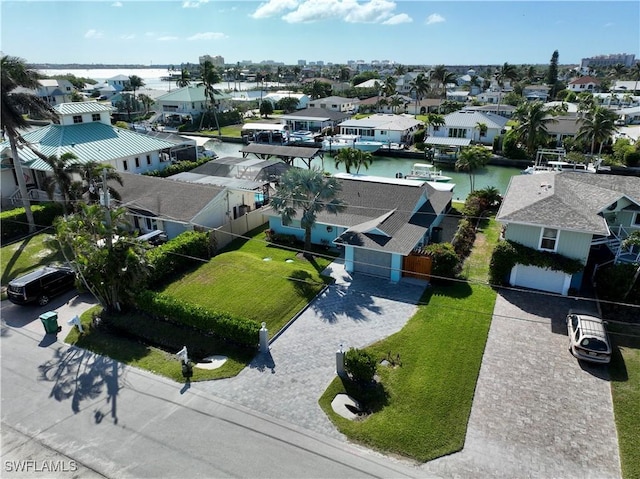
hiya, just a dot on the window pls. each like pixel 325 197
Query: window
pixel 95 117
pixel 137 160
pixel 549 239
pixel 77 118
pixel 148 159
pixel 636 220
pixel 125 165
pixel 457 132
pixel 151 224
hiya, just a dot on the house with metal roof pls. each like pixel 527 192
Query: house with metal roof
pixel 464 125
pixel 576 215
pixel 336 103
pixel 188 101
pixel 387 128
pixel 385 221
pixel 85 130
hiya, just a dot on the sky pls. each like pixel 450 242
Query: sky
pixel 333 31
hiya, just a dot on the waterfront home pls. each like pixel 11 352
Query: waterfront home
pixel 336 103
pixel 383 127
pixel 505 110
pixel 385 221
pixel 314 119
pixel 536 93
pixel 119 82
pixel 465 124
pixel 565 126
pixel 175 205
pixel 188 102
pixel 576 215
pixel 85 130
pixel 275 97
pixel 51 90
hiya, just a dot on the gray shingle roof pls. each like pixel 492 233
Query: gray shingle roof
pixel 165 198
pixel 383 216
pixel 567 200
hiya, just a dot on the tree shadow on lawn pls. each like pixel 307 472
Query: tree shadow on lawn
pixel 305 285
pixel 80 375
pixel 450 289
pixel 372 397
pixel 9 273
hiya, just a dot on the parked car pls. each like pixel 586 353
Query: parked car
pixel 588 339
pixel 41 285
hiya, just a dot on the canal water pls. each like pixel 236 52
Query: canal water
pixel 496 176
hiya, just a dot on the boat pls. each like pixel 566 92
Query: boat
pixel 338 142
pixel 562 166
pixel 427 172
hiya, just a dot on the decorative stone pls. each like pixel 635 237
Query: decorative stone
pixel 211 362
pixel 345 406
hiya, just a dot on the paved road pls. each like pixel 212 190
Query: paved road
pixel 88 416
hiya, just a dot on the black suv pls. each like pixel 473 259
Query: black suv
pixel 41 285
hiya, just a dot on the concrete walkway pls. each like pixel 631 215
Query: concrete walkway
pixel 288 382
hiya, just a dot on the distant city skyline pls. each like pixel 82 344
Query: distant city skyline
pixel 328 31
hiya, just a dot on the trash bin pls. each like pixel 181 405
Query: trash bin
pixel 50 322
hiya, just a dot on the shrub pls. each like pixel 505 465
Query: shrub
pixel 176 168
pixel 418 136
pixel 177 255
pixel 463 238
pixel 613 282
pixel 446 263
pixel 508 253
pixel 14 222
pixel 240 331
pixel 360 365
pixel 632 158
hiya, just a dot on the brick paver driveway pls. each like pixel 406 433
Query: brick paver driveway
pixel 537 412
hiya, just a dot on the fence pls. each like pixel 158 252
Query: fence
pixel 225 234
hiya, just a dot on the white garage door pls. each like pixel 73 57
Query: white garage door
pixel 372 262
pixel 540 278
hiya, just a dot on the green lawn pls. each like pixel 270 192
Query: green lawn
pixel 423 410
pixel 26 255
pixel 625 390
pixel 243 282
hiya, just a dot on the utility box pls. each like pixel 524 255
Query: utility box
pixel 50 322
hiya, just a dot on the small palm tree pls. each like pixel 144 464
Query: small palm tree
pixel 531 129
pixel 503 73
pixel 598 126
pixel 306 192
pixel 482 129
pixel 419 86
pixel 146 101
pixel 16 74
pixel 470 159
pixel 62 169
pixel 184 79
pixel 135 82
pixel 346 157
pixel 209 76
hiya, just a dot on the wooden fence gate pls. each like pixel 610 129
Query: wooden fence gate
pixel 417 266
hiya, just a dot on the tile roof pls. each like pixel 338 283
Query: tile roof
pixel 175 200
pixel 80 107
pixel 584 80
pixel 88 141
pixel 566 200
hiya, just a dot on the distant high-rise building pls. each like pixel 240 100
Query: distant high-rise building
pixel 216 61
pixel 302 63
pixel 320 63
pixel 605 61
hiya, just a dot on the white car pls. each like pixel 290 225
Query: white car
pixel 588 339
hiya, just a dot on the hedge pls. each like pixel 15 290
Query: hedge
pixel 14 222
pixel 178 255
pixel 240 331
pixel 508 253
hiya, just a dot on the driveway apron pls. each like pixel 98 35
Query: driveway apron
pixel 537 411
pixel 287 382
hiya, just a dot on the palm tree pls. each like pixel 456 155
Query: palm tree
pixel 531 129
pixel 635 73
pixel 62 169
pixel 307 192
pixel 503 73
pixel 363 158
pixel 470 159
pixel 482 129
pixel 419 86
pixel 443 77
pixel 395 103
pixel 16 74
pixel 209 76
pixel 389 86
pixel 135 82
pixel 598 126
pixel 435 120
pixel 346 157
pixel 146 101
pixel 184 79
pixel 400 70
pixel 617 71
pixel 93 177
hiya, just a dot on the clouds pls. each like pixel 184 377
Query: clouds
pixel 435 18
pixel 116 4
pixel 349 11
pixel 193 3
pixel 207 36
pixel 93 34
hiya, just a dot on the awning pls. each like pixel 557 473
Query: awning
pixel 445 141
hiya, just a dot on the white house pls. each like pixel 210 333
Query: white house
pixel 335 103
pixel 536 92
pixel 584 83
pixel 119 82
pixel 274 97
pixel 85 130
pixel 383 127
pixel 55 91
pixel 188 101
pixel 465 124
pixel 313 119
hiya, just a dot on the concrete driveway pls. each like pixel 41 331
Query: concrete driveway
pixel 537 411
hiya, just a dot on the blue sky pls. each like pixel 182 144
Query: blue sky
pixel 408 32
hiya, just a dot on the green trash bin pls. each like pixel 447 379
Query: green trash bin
pixel 50 322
